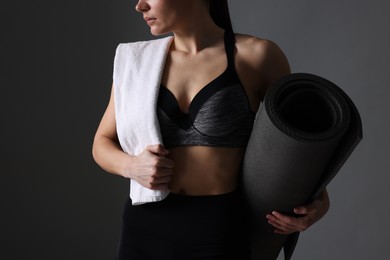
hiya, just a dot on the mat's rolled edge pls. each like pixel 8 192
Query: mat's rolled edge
pixel 330 94
pixel 347 145
pixel 351 138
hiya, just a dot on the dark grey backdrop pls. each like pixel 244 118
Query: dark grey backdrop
pixel 56 203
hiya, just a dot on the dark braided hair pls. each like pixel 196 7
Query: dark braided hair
pixel 219 12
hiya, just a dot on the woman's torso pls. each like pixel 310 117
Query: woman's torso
pixel 207 169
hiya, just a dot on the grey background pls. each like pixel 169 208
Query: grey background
pixel 56 203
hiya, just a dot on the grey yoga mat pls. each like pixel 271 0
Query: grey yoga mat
pixel 304 131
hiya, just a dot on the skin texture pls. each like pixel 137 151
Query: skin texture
pixel 196 57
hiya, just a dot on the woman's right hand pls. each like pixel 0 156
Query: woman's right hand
pixel 151 168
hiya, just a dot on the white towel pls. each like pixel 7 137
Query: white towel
pixel 137 73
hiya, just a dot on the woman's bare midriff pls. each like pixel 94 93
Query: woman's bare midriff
pixel 201 170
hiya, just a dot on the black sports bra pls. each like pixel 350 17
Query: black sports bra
pixel 219 115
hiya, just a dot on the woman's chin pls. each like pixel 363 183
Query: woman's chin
pixel 158 32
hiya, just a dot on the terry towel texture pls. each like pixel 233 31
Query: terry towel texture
pixel 137 72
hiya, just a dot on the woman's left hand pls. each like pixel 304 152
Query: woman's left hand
pixel 308 215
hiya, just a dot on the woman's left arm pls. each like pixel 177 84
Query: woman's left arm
pixel 314 211
pixel 262 63
pixel 307 216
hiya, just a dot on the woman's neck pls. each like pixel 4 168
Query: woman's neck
pixel 194 43
pixel 193 37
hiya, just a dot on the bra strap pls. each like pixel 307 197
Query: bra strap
pixel 230 44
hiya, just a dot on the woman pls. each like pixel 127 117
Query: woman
pixel 212 83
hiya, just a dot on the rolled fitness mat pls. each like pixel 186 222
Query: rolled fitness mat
pixel 304 131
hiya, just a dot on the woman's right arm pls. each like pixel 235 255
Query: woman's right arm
pixel 150 168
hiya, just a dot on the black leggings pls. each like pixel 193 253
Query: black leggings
pixel 184 228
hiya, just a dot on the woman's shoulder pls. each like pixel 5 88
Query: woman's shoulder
pixel 259 62
pixel 257 50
